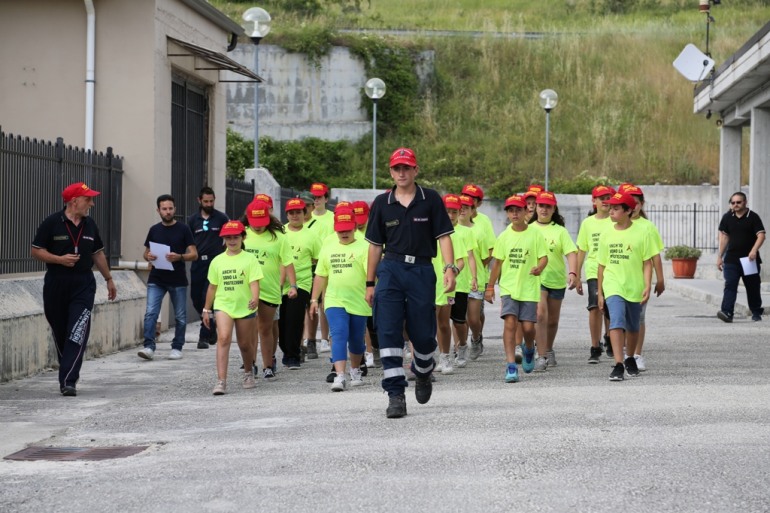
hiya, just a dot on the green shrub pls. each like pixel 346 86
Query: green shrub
pixel 682 252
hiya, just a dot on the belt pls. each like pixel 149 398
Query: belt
pixel 409 259
pixel 203 257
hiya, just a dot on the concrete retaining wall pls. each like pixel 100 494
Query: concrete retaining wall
pixel 26 345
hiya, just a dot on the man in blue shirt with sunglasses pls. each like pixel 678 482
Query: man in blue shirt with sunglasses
pixel 205 225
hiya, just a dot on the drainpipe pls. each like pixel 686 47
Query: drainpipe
pixel 90 84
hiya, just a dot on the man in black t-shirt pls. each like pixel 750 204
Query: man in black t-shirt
pixel 741 234
pixel 180 247
pixel 68 242
pixel 205 225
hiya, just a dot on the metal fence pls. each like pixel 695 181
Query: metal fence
pixel 239 195
pixel 691 225
pixel 32 175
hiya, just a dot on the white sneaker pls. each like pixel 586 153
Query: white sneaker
pixel 325 346
pixel 146 353
pixel 356 379
pixel 175 354
pixel 339 383
pixel 248 380
pixel 640 363
pixel 369 358
pixel 518 354
pixel 446 364
pixel 220 388
pixel 462 356
pixel 541 364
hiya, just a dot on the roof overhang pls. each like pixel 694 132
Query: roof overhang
pixel 206 59
pixel 740 84
pixel 214 15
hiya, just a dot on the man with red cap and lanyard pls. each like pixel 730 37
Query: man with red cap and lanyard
pixel 403 225
pixel 68 242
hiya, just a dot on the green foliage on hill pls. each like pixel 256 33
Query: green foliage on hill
pixel 624 113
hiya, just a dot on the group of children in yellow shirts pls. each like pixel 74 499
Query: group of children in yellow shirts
pixel 269 269
pixel 534 261
pixel 263 284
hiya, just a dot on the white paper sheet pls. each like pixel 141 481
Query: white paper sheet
pixel 160 251
pixel 749 266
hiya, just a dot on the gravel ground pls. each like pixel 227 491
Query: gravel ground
pixel 691 434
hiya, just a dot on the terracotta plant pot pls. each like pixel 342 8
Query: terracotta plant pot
pixel 684 267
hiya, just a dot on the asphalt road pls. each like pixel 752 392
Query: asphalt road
pixel 691 434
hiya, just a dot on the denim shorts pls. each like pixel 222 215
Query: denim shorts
pixel 525 311
pixel 624 315
pixel 554 293
pixel 479 294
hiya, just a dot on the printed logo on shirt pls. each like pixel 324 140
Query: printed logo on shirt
pixel 86 237
pixel 390 224
pixel 61 237
pixel 420 219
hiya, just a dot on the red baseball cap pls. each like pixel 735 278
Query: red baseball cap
pixel 452 201
pixel 319 189
pixel 76 190
pixel 361 210
pixel 264 197
pixel 343 204
pixel 258 214
pixel 344 219
pixel 515 201
pixel 403 156
pixel 533 190
pixel 232 228
pixel 466 200
pixel 546 198
pixel 473 191
pixel 633 190
pixel 295 204
pixel 622 198
pixel 602 190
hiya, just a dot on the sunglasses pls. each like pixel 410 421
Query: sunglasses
pixel 206 225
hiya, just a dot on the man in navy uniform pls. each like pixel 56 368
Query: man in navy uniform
pixel 205 225
pixel 405 222
pixel 68 242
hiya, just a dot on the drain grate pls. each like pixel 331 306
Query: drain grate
pixel 75 453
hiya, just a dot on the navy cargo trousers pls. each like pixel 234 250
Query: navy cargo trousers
pixel 404 298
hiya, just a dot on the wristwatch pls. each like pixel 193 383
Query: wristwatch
pixel 454 268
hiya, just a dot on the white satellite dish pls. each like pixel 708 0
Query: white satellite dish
pixel 693 64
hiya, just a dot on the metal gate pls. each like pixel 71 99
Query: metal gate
pixel 189 144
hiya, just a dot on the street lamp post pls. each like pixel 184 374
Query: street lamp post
pixel 548 100
pixel 256 24
pixel 375 89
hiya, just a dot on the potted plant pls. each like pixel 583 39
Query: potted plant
pixel 684 260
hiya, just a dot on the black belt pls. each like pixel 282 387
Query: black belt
pixel 409 259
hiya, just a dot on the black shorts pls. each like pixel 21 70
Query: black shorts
pixel 271 305
pixel 459 308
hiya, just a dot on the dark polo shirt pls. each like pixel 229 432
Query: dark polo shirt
pixel 410 230
pixel 206 233
pixel 60 236
pixel 742 233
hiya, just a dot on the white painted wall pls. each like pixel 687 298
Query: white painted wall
pixel 298 99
